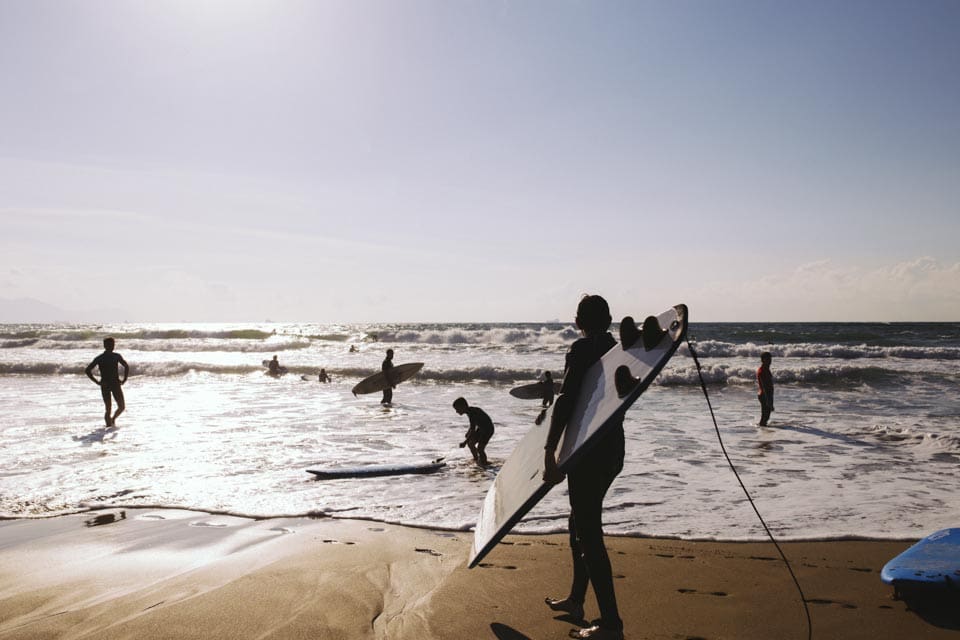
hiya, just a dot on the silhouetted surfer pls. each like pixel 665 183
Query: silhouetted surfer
pixel 110 381
pixel 387 367
pixel 274 367
pixel 478 433
pixel 765 388
pixel 547 383
pixel 589 480
pixel 547 389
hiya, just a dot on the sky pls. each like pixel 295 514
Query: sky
pixel 466 160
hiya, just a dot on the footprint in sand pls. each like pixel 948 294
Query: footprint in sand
pixel 843 605
pixel 719 594
pixel 428 551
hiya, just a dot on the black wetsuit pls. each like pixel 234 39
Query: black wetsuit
pixel 588 482
pixel 109 364
pixel 388 392
pixel 481 426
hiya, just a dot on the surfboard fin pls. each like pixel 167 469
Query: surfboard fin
pixel 624 381
pixel 651 333
pixel 628 332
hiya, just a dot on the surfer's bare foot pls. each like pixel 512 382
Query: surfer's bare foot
pixel 571 607
pixel 597 633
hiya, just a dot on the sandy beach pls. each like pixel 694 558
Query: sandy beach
pixel 179 574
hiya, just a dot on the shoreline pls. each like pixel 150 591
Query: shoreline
pixel 186 574
pixel 321 515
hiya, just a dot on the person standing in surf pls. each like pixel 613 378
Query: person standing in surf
pixel 589 480
pixel 110 382
pixel 387 367
pixel 765 388
pixel 274 367
pixel 478 433
pixel 547 389
pixel 547 384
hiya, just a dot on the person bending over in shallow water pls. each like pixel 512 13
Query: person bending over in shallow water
pixel 110 381
pixel 588 481
pixel 478 433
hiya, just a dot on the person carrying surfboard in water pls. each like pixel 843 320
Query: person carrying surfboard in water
pixel 479 432
pixel 765 388
pixel 589 480
pixel 386 368
pixel 547 389
pixel 110 381
pixel 547 384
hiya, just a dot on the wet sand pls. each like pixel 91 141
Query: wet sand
pixel 180 574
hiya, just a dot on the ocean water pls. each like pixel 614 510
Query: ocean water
pixel 865 440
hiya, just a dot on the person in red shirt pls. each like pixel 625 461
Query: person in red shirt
pixel 765 388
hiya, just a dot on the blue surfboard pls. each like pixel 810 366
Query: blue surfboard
pixel 932 562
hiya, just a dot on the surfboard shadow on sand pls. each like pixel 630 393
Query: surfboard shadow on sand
pixel 505 632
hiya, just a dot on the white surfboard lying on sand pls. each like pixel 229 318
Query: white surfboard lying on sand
pixel 609 388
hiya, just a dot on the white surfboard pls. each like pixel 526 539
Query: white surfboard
pixel 374 470
pixel 519 485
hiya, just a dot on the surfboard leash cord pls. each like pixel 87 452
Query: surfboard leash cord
pixel 703 385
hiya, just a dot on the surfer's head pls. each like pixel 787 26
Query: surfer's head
pixel 108 344
pixel 389 353
pixel 460 405
pixel 766 358
pixel 593 314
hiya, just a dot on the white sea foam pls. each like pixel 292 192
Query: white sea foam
pixel 858 446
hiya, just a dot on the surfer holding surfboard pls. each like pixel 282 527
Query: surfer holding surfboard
pixel 589 480
pixel 386 369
